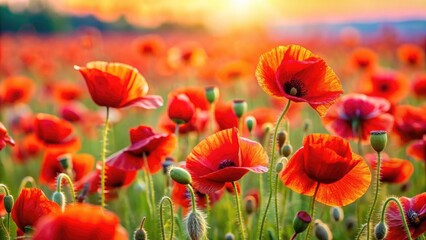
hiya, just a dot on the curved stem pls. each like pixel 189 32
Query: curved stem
pixel 6 191
pixel 191 191
pixel 103 153
pixel 59 185
pixel 272 167
pixel 376 193
pixel 312 211
pixel 165 198
pixel 27 179
pixel 240 214
pixel 401 211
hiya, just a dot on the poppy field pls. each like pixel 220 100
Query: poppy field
pixel 192 135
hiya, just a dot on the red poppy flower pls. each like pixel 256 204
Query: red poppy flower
pixel 327 162
pixel 419 86
pixel 118 85
pixel 2 209
pixel 29 147
pixel 266 115
pixel 410 123
pixel 73 111
pixel 224 157
pixel 180 109
pixel 363 59
pixel 392 170
pixel 16 89
pixel 56 133
pixel 80 221
pixel 82 164
pixel 417 149
pixel 415 214
pixel 187 54
pixel 393 86
pixel 358 112
pixel 145 143
pixel 411 55
pixel 234 71
pixel 30 206
pixel 66 91
pixel 297 74
pixel 149 45
pixel 115 179
pixel 4 137
pixel 225 116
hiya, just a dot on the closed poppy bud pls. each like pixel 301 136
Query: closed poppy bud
pixel 267 127
pixel 140 234
pixel 250 122
pixel 322 231
pixel 380 231
pixel 196 225
pixel 301 221
pixel 181 109
pixel 250 204
pixel 180 175
pixel 65 161
pixel 378 140
pixel 336 214
pixel 8 203
pixel 229 236
pixel 59 198
pixel 281 137
pixel 212 94
pixel 240 107
pixel 279 167
pixel 286 150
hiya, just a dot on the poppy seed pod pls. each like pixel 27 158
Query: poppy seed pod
pixel 212 94
pixel 301 221
pixel 250 122
pixel 181 109
pixel 196 225
pixel 378 140
pixel 322 231
pixel 240 107
pixel 180 175
pixel 380 231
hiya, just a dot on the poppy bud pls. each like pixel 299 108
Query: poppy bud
pixel 8 202
pixel 250 204
pixel 279 167
pixel 65 161
pixel 301 221
pixel 322 231
pixel 140 234
pixel 250 122
pixel 286 150
pixel 240 107
pixel 196 225
pixel 212 94
pixel 229 236
pixel 378 140
pixel 380 231
pixel 336 214
pixel 59 198
pixel 166 164
pixel 181 110
pixel 281 138
pixel 180 175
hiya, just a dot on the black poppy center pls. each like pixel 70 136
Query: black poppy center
pixel 384 87
pixel 226 163
pixel 413 218
pixel 295 88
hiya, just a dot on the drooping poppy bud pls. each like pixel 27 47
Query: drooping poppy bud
pixel 59 198
pixel 181 109
pixel 240 107
pixel 196 225
pixel 380 231
pixel 378 140
pixel 8 202
pixel 301 221
pixel 180 175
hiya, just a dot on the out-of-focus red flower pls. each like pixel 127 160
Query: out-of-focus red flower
pixel 410 123
pixel 225 116
pixel 81 165
pixel 411 55
pixel 363 59
pixel 187 54
pixel 30 206
pixel 417 149
pixel 356 115
pixel 264 116
pixel 180 109
pixel 73 111
pixel 80 221
pixel 66 91
pixel 16 89
pixel 234 71
pixel 392 170
pixel 4 137
pixel 26 148
pixel 115 179
pixel 392 85
pixel 2 209
pixel 118 85
pixel 55 133
pixel 297 74
pixel 149 45
pixel 327 163
pixel 224 157
pixel 415 214
pixel 419 86
pixel 146 145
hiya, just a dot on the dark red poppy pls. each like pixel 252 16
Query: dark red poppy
pixel 4 137
pixel 392 85
pixel 180 109
pixel 327 162
pixel 356 115
pixel 224 157
pixel 411 55
pixel 80 221
pixel 417 149
pixel 419 86
pixel 415 214
pixel 392 170
pixel 16 89
pixel 145 143
pixel 54 132
pixel 81 165
pixel 410 123
pixel 118 85
pixel 30 206
pixel 299 75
